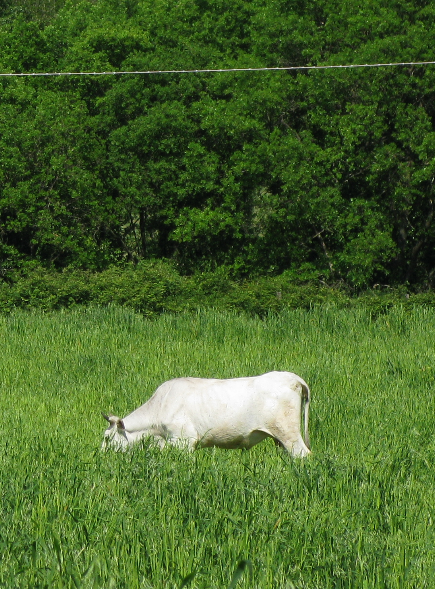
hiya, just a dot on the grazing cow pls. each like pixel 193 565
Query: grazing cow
pixel 232 413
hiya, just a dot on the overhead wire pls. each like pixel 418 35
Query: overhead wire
pixel 217 70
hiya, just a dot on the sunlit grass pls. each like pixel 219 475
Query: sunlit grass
pixel 358 513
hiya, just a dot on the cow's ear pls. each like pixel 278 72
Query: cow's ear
pixel 114 420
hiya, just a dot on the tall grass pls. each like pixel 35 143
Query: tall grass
pixel 358 513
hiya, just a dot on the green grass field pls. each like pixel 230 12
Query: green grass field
pixel 359 513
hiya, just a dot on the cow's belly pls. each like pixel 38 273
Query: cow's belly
pixel 224 439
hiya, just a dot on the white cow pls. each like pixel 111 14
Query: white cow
pixel 232 413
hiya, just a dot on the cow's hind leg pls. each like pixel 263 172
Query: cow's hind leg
pixel 294 447
pixel 285 428
pixel 293 444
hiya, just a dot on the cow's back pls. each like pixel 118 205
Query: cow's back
pixel 205 404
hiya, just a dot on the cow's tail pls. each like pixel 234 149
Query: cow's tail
pixel 306 405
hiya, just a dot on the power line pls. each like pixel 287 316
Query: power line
pixel 204 71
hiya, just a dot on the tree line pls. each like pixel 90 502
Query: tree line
pixel 318 174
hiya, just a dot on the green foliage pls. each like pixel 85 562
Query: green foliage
pixel 151 288
pixel 358 513
pixel 32 10
pixel 324 172
pixel 155 287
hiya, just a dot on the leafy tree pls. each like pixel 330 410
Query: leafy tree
pixel 326 174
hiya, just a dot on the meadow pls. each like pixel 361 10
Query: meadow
pixel 358 513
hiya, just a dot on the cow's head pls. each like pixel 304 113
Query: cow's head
pixel 115 435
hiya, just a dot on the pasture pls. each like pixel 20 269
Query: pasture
pixel 359 513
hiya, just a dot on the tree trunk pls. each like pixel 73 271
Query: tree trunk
pixel 417 247
pixel 142 228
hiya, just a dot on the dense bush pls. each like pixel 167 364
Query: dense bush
pixel 155 287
